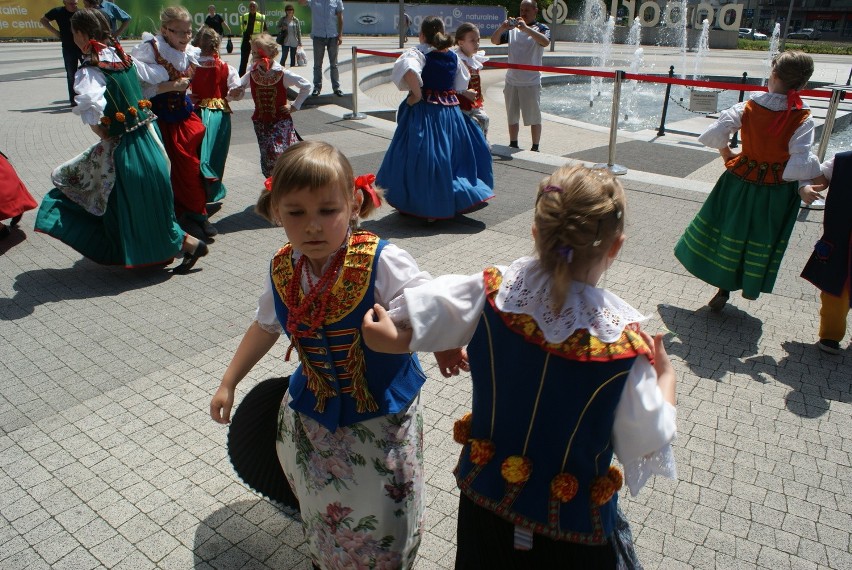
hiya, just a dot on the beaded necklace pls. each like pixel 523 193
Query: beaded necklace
pixel 315 300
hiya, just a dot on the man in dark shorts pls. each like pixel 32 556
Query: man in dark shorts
pixel 70 52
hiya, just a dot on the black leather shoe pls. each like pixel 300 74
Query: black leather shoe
pixel 209 229
pixel 315 93
pixel 189 259
pixel 15 220
pixel 338 92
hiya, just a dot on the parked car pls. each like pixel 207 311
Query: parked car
pixel 805 34
pixel 751 34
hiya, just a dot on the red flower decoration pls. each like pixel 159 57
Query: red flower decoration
pixel 564 487
pixel 461 429
pixel 481 451
pixel 516 469
pixel 105 121
pixel 268 184
pixel 615 476
pixel 144 104
pixel 119 117
pixel 365 184
pixel 604 487
pixel 132 110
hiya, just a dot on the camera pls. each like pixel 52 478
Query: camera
pixel 513 22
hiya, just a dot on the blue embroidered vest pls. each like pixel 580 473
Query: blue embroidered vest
pixel 339 380
pixel 830 264
pixel 439 77
pixel 537 445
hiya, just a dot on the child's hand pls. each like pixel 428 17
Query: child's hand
pixel 811 192
pixel 380 333
pixel 451 361
pixel 236 93
pixel 666 377
pixel 470 94
pixel 727 153
pixel 221 404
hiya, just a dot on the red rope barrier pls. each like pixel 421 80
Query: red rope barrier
pixel 629 76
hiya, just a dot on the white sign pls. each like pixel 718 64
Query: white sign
pixel 650 12
pixel 703 101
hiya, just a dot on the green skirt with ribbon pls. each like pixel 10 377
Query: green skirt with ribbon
pixel 214 151
pixel 739 236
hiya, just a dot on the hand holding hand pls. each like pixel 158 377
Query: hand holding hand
pixel 413 98
pixel 181 84
pixel 470 94
pixel 221 404
pixel 811 192
pixel 380 333
pixel 452 361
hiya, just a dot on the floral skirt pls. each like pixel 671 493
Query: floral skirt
pixel 273 139
pixel 360 488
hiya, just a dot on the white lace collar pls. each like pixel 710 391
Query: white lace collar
pixel 180 59
pixel 475 61
pixel 773 101
pixel 526 290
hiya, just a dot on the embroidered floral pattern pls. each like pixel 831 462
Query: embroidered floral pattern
pixel 605 486
pixel 516 469
pixel 481 451
pixel 564 487
pixel 461 429
pixel 88 179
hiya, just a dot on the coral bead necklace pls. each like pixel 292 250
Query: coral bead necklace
pixel 313 306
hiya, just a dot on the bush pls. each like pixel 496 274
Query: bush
pixel 807 47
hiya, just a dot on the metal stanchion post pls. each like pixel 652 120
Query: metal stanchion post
pixel 662 130
pixel 734 142
pixel 613 127
pixel 830 115
pixel 354 114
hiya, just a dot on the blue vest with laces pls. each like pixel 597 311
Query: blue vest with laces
pixel 537 446
pixel 339 380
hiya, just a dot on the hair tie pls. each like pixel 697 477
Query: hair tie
pixel 96 45
pixel 551 189
pixel 567 252
pixel 365 184
pixel 264 59
pixel 268 184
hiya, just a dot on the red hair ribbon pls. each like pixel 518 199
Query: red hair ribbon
pixel 263 59
pixel 268 184
pixel 793 102
pixel 96 46
pixel 365 184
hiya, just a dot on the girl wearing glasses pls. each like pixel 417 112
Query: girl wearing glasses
pixel 166 64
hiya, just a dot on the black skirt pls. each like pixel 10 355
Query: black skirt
pixel 486 541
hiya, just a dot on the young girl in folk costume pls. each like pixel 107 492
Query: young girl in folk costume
pixel 273 123
pixel 740 234
pixel 562 379
pixel 15 199
pixel 438 163
pixel 114 203
pixel 350 430
pixel 166 64
pixel 210 85
pixel 467 48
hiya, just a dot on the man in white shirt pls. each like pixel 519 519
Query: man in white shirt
pixel 522 92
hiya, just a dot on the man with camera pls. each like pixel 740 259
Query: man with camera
pixel 527 39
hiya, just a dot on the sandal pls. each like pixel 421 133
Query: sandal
pixel 189 259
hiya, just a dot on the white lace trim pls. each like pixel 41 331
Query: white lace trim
pixel 271 328
pixel 637 473
pixel 526 290
pixel 774 101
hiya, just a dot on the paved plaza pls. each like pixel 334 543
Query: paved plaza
pixel 108 457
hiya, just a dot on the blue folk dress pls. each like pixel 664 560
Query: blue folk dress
pixel 438 163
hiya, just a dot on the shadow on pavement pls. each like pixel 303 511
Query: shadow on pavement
pixel 248 534
pixel 241 221
pixel 85 280
pixel 702 333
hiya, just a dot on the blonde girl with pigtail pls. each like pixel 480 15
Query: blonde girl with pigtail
pixel 113 203
pixel 212 82
pixel 563 379
pixel 348 430
pixel 272 118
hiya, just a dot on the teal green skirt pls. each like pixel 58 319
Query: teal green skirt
pixel 739 236
pixel 138 227
pixel 214 151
